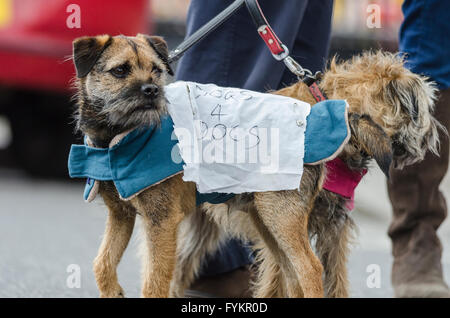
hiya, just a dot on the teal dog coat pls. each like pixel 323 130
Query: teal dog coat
pixel 146 156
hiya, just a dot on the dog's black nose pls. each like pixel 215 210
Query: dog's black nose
pixel 150 90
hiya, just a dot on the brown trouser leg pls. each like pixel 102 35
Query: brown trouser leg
pixel 419 208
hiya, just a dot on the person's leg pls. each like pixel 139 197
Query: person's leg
pixel 419 208
pixel 234 55
pixel 312 44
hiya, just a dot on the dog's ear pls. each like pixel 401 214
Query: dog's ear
pixel 372 140
pixel 158 44
pixel 406 93
pixel 87 50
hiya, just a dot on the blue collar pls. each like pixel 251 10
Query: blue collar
pixel 141 159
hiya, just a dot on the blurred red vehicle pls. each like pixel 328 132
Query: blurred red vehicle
pixel 36 72
pixel 36 35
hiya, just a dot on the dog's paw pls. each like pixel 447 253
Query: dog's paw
pixel 116 292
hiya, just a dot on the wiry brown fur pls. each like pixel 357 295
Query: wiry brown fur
pixel 177 235
pixel 390 119
pixel 399 101
pixel 108 106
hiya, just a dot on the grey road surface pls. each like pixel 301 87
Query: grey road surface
pixel 47 233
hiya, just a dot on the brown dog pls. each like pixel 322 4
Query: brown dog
pixel 120 86
pixel 390 118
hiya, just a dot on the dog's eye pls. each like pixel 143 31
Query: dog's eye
pixel 120 71
pixel 156 69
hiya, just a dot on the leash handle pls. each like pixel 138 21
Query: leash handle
pixel 205 30
pixel 276 47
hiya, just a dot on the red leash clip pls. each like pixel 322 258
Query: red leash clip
pixel 273 43
pixel 279 51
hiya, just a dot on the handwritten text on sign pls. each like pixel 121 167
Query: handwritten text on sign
pixel 222 136
pixel 234 140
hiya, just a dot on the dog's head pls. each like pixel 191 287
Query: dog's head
pixel 120 82
pixel 385 94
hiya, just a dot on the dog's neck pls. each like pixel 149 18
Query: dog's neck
pixel 355 159
pixel 95 126
pixel 100 138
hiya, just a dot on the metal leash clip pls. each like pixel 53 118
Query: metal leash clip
pixel 309 78
pixel 283 55
pixel 292 64
pixel 296 68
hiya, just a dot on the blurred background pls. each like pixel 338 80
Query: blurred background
pixel 44 224
pixel 35 74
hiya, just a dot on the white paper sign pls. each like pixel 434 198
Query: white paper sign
pixel 234 140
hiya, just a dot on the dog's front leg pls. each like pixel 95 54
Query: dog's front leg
pixel 159 252
pixel 162 209
pixel 119 227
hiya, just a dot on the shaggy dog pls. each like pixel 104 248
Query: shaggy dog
pixel 391 119
pixel 120 87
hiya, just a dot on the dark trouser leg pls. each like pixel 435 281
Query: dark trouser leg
pixel 234 55
pixel 419 209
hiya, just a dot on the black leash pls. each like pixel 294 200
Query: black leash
pixel 279 51
pixel 205 30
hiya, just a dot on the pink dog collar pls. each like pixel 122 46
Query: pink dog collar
pixel 343 181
